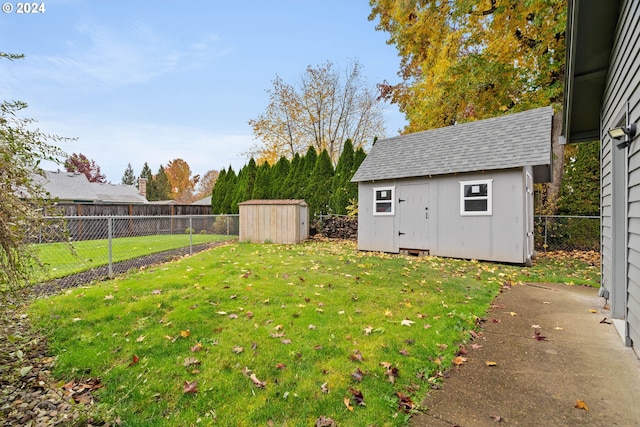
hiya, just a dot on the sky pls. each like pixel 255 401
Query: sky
pixel 151 81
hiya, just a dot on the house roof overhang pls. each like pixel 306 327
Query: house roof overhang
pixel 591 29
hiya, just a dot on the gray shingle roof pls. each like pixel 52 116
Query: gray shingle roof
pixel 75 187
pixel 514 140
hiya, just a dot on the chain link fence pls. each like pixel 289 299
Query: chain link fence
pixel 567 233
pixel 75 250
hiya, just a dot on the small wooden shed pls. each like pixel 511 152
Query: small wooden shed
pixel 276 221
pixel 463 191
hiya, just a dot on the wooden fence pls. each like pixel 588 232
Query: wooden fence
pixel 73 209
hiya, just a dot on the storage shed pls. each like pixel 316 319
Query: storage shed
pixel 463 191
pixel 276 221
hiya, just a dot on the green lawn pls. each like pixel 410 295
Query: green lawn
pixel 62 259
pixel 276 334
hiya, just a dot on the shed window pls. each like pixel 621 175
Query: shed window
pixel 383 201
pixel 475 197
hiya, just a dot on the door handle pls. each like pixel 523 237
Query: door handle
pixel 400 233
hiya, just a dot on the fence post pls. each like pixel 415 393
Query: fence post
pixel 546 223
pixel 227 224
pixel 190 235
pixel 110 245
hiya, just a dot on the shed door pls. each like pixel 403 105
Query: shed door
pixel 413 216
pixel 529 217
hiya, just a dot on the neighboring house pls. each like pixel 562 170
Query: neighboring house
pixel 203 202
pixel 74 187
pixel 463 191
pixel 602 94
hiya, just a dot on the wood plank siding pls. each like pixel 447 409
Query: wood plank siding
pixel 275 221
pixel 620 174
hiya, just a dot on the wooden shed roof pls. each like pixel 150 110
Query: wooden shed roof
pixel 514 140
pixel 275 202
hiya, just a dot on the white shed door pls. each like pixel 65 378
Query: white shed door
pixel 413 216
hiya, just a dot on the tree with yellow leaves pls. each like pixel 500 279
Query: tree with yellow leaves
pixel 182 183
pixel 464 60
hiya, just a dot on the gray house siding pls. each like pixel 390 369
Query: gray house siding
pixel 427 217
pixel 621 175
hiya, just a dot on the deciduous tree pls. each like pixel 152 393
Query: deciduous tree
pixel 181 180
pixel 323 110
pixel 464 60
pixel 22 198
pixel 81 164
pixel 206 184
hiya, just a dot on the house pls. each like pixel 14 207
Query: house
pixel 206 201
pixel 463 191
pixel 602 102
pixel 74 187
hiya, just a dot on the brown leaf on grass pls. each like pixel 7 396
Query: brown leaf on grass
pixel 134 360
pixel 326 421
pixel 392 373
pixel 581 405
pixel 237 349
pixel 256 381
pixel 462 351
pixel 358 398
pixel 404 352
pixel 249 314
pixel 278 335
pixel 404 402
pixel 140 338
pixel 233 316
pixel 190 387
pixel 156 292
pixel 185 334
pixel 188 361
pixel 368 330
pixel 356 356
pixel 324 387
pixel 358 375
pixel 281 366
pixel 459 360
pixel 285 341
pixel 196 348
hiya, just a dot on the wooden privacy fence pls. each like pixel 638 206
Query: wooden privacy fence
pixel 132 209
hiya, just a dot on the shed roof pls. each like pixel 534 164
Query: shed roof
pixel 514 140
pixel 75 187
pixel 275 202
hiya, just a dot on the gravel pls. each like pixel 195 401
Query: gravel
pixel 29 395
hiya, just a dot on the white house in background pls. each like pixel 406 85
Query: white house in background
pixel 602 101
pixel 74 187
pixel 463 191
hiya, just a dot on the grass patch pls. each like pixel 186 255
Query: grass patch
pixel 311 323
pixel 63 259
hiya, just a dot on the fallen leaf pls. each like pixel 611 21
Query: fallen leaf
pixel 233 316
pixel 357 375
pixel 188 361
pixel 285 341
pixel 489 363
pixel 392 373
pixel 404 352
pixel 311 327
pixel 237 349
pixel 256 381
pixel 135 359
pixel 108 297
pixel 536 326
pixel 357 396
pixel 513 313
pixel 196 348
pixel 347 403
pixel 558 328
pixel 368 330
pixel 407 322
pixel 593 311
pixel 140 338
pixel 388 313
pixel 156 292
pixel 459 360
pixel 190 387
pixel 356 355
pixel 476 346
pixel 404 402
pixel 496 418
pixel 581 405
pixel 539 337
pixel 326 421
pixel 281 366
pixel 185 334
pixel 324 387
